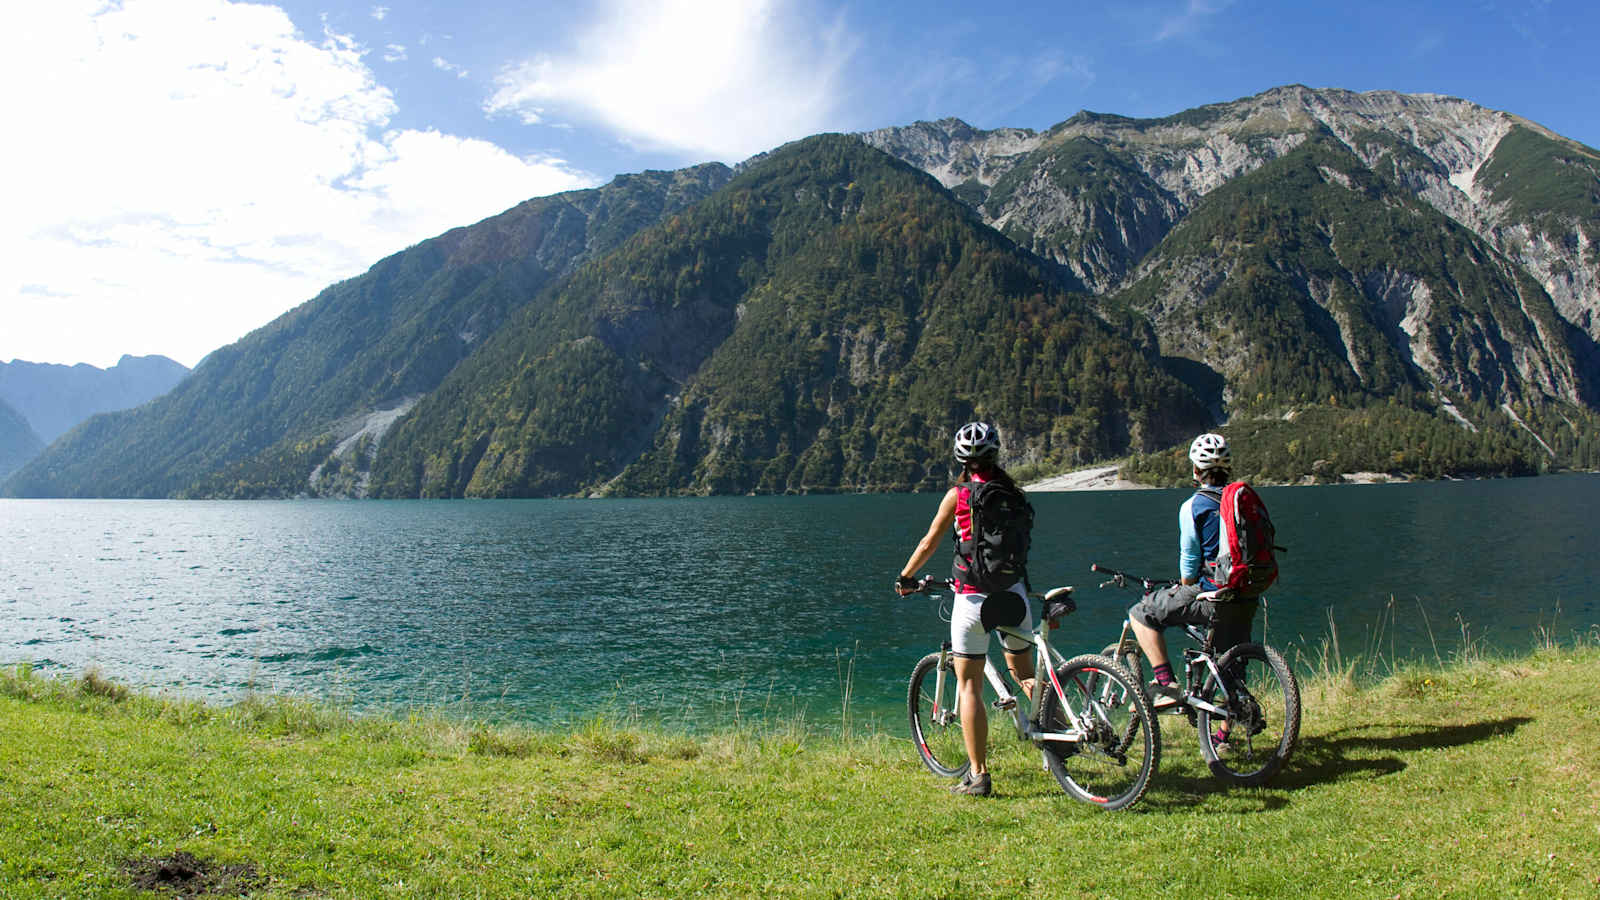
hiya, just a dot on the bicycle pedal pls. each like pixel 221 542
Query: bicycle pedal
pixel 1006 703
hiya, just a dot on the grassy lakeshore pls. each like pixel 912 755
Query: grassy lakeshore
pixel 1471 779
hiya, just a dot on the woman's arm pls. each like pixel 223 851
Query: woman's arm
pixel 930 541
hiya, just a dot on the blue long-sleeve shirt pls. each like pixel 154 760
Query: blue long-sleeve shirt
pixel 1199 531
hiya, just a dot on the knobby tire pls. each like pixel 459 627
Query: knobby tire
pixel 1112 767
pixel 1263 721
pixel 935 721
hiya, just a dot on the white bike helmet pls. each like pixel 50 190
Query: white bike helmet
pixel 1210 451
pixel 976 440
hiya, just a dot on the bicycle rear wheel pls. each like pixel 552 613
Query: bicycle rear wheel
pixel 1121 748
pixel 1263 720
pixel 936 719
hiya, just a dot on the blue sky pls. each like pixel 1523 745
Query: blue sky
pixel 193 168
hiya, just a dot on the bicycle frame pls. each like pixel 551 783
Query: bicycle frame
pixel 1046 660
pixel 1199 669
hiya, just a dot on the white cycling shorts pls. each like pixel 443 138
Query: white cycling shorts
pixel 967 637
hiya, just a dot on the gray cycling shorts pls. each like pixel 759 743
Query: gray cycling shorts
pixel 1179 604
pixel 968 637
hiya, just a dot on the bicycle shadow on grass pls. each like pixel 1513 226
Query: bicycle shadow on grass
pixel 1377 750
pixel 1358 752
pixel 1170 791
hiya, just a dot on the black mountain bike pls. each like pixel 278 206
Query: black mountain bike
pixel 1245 703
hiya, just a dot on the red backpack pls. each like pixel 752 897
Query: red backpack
pixel 1245 566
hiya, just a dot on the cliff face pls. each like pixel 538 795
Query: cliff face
pixel 1098 192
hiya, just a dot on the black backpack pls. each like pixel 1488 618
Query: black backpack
pixel 1002 529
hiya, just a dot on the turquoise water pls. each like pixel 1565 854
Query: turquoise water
pixel 704 611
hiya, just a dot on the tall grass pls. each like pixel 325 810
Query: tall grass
pixel 846 673
pixel 1330 667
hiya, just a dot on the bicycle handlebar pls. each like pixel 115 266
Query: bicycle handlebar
pixel 1057 602
pixel 1121 579
pixel 928 583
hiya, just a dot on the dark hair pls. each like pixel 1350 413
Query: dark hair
pixel 1213 477
pixel 989 468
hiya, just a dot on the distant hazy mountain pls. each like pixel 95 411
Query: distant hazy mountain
pixel 18 442
pixel 1352 282
pixel 53 398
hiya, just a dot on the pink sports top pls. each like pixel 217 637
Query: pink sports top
pixel 963 526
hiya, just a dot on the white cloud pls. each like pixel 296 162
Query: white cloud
pixel 181 171
pixel 380 13
pixel 717 78
pixel 445 65
pixel 394 53
pixel 1194 16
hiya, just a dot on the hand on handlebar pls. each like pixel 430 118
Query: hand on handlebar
pixel 905 585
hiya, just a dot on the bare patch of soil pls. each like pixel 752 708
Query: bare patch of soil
pixel 185 875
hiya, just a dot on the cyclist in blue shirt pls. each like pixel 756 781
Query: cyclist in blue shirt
pixel 1191 601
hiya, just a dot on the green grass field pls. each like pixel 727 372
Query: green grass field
pixel 1469 780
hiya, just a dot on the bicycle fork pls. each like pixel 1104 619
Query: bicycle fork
pixel 945 673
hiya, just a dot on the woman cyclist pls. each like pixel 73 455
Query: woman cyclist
pixel 977 448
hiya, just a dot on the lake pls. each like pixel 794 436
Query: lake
pixel 703 612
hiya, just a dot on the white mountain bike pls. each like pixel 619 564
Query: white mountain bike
pixel 1093 725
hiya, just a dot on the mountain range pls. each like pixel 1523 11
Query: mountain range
pixel 1405 283
pixel 41 401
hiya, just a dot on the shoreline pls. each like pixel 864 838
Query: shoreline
pixel 1095 478
pixel 1105 478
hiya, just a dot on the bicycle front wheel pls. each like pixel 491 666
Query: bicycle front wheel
pixel 1111 765
pixel 1133 660
pixel 1263 720
pixel 936 719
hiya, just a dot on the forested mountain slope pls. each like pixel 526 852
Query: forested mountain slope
pixel 814 326
pixel 18 442
pixel 1321 247
pixel 1315 276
